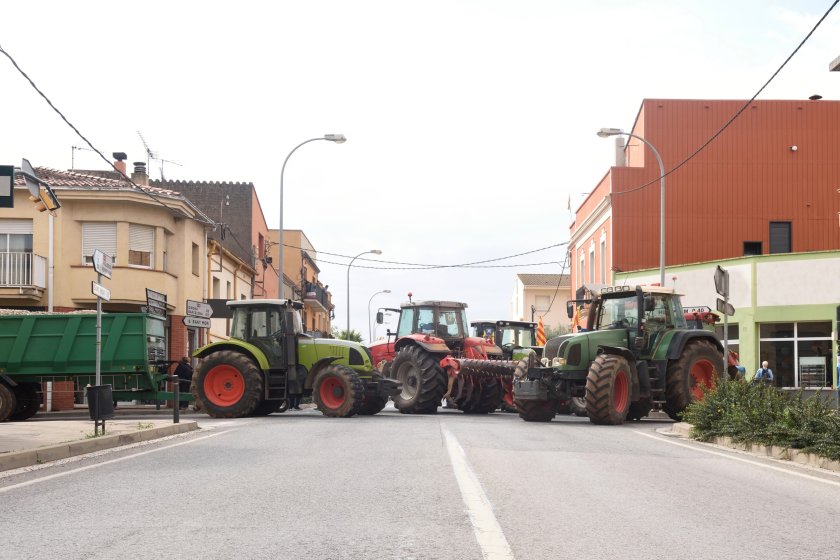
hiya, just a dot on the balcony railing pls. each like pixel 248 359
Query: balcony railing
pixel 313 293
pixel 22 270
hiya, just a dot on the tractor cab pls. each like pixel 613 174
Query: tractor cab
pixel 511 336
pixel 272 325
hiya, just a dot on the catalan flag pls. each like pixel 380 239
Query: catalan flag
pixel 576 320
pixel 540 333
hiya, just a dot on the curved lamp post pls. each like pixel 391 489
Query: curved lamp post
pixel 338 139
pixel 371 252
pixel 606 132
pixel 370 324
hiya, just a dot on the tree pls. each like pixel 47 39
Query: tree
pixel 355 335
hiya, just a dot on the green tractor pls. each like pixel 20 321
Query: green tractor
pixel 636 353
pixel 268 357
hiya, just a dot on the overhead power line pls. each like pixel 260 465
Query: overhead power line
pixel 738 112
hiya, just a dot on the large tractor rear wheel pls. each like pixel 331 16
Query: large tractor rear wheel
pixel 536 411
pixel 228 384
pixel 697 367
pixel 8 402
pixel 423 381
pixel 608 390
pixel 338 392
pixel 28 401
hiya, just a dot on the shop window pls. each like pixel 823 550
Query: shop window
pixel 798 353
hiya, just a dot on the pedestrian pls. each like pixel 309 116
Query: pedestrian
pixel 294 401
pixel 184 371
pixel 764 374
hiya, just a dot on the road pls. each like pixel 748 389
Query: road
pixel 391 486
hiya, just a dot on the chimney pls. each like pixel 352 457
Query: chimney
pixel 140 176
pixel 120 163
pixel 620 154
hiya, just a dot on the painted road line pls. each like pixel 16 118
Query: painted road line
pixel 488 532
pixel 741 459
pixel 102 464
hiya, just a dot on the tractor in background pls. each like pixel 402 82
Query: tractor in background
pixel 433 357
pixel 636 353
pixel 517 339
pixel 268 357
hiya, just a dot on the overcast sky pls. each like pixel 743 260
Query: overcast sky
pixel 469 123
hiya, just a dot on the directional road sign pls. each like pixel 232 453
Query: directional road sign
pixel 199 309
pixel 200 322
pixel 725 307
pixel 152 296
pixel 100 291
pixel 102 263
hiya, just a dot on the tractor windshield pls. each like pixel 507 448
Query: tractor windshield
pixel 518 336
pixel 618 313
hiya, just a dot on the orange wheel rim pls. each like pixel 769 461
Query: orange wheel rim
pixel 702 377
pixel 332 393
pixel 621 390
pixel 224 385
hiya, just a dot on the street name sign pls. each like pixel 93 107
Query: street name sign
pixel 200 322
pixel 152 296
pixel 199 309
pixel 725 307
pixel 103 264
pixel 100 291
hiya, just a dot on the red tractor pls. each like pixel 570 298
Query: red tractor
pixel 434 357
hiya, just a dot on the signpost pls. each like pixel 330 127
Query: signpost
pixel 103 265
pixel 155 304
pixel 723 305
pixel 199 309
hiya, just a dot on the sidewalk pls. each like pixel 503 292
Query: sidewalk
pixel 58 435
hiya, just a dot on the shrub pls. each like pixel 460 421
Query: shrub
pixel 758 413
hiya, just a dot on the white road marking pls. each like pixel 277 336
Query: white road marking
pixel 488 532
pixel 741 459
pixel 95 465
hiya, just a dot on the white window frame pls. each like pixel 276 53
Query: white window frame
pixel 603 249
pixel 582 275
pixel 795 339
pixel 592 262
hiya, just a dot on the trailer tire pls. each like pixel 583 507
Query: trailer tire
pixel 338 392
pixel 268 407
pixel 577 405
pixel 28 401
pixel 375 403
pixel 228 385
pixel 490 398
pixel 639 409
pixel 536 411
pixel 700 364
pixel 423 381
pixel 608 390
pixel 8 402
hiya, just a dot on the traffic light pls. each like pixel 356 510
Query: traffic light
pixel 46 200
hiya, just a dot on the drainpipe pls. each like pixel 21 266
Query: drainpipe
pixel 50 264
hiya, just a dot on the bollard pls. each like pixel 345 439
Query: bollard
pixel 176 399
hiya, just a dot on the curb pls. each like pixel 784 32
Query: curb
pixel 19 459
pixel 683 430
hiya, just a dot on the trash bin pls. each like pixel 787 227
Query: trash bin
pixel 100 402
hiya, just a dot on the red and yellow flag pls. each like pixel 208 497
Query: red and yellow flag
pixel 576 320
pixel 540 333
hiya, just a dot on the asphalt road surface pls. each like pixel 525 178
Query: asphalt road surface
pixel 392 486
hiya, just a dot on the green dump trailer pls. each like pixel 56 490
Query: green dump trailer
pixel 36 349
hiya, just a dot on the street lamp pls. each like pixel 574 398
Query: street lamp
pixel 370 327
pixel 338 139
pixel 606 132
pixel 371 252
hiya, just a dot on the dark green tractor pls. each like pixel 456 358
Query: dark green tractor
pixel 635 354
pixel 516 338
pixel 268 357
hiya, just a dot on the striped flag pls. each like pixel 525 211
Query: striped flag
pixel 540 333
pixel 576 320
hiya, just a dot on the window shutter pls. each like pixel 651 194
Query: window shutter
pixel 16 226
pixel 141 238
pixel 99 235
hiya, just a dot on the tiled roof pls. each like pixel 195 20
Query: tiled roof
pixel 72 180
pixel 548 280
pixel 175 183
